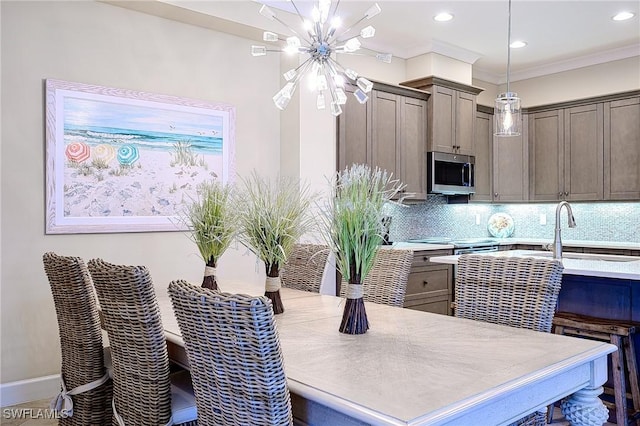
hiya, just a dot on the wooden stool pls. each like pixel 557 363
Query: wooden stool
pixel 617 333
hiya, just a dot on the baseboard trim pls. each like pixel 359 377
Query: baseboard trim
pixel 22 391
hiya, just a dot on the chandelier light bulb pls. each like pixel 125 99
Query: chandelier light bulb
pixel 258 50
pixel 290 75
pixel 269 36
pixel 368 32
pixel 267 12
pixel 372 11
pixel 319 45
pixel 320 104
pixel 352 45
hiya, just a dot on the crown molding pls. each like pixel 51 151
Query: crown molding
pixel 560 66
pixel 445 49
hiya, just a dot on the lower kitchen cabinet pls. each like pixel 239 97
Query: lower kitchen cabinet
pixel 430 285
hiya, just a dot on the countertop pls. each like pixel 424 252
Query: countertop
pixel 594 265
pixel 621 245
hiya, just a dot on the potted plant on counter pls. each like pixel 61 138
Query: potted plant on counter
pixel 273 215
pixel 212 220
pixel 354 228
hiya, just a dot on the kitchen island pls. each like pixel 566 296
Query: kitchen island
pixel 603 286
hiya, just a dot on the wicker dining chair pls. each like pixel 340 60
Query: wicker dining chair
pixel 144 393
pixel 386 283
pixel 235 358
pixel 305 267
pixel 85 398
pixel 518 292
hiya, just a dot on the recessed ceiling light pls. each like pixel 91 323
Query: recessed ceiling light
pixel 623 16
pixel 518 44
pixel 443 17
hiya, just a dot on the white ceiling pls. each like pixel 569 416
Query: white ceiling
pixel 560 34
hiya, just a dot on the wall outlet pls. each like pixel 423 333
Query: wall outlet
pixel 477 219
pixel 543 218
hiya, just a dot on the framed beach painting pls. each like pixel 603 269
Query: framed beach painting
pixel 126 161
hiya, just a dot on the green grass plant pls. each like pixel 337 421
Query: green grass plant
pixel 354 230
pixel 212 220
pixel 273 215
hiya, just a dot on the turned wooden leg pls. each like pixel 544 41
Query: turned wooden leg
pixel 584 408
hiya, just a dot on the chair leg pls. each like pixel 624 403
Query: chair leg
pixel 632 366
pixel 619 385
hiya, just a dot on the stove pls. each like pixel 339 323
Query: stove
pixel 463 245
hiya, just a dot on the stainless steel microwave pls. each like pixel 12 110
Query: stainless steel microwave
pixel 450 174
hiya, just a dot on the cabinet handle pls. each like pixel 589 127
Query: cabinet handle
pixel 566 193
pixel 425 283
pixel 495 194
pixel 425 258
pixel 560 194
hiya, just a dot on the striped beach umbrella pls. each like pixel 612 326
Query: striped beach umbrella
pixel 77 151
pixel 128 154
pixel 104 153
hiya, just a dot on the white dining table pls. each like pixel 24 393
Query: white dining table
pixel 418 368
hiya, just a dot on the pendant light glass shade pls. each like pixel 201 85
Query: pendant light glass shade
pixel 507 115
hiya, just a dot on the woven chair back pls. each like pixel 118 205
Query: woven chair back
pixel 386 283
pixel 234 355
pixel 80 338
pixel 515 291
pixel 305 266
pixel 141 385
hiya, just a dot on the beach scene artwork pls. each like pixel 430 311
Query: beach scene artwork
pixel 131 162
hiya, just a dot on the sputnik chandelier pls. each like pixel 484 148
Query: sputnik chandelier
pixel 321 39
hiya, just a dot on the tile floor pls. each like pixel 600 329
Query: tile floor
pixel 31 415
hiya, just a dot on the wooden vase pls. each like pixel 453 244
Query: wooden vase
pixel 209 281
pixel 272 288
pixel 354 316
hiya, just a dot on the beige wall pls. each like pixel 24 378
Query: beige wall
pixel 101 44
pixel 596 80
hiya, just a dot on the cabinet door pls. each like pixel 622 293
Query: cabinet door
pixel 354 134
pixel 483 168
pixel 465 118
pixel 622 150
pixel 583 152
pixel 413 148
pixel 546 133
pixel 442 113
pixel 385 134
pixel 511 167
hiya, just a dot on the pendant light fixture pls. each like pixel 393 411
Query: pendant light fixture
pixel 508 115
pixel 320 41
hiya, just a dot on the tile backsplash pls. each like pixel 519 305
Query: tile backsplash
pixel 596 221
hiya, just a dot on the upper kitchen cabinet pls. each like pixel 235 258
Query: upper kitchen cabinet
pixel 566 148
pixel 483 166
pixel 452 114
pixel 511 166
pixel 389 131
pixel 622 149
pixel 501 168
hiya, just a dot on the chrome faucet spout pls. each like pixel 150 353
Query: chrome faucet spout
pixel 557 239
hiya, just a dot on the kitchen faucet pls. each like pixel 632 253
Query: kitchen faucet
pixel 557 240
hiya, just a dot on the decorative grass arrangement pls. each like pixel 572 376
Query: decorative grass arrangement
pixel 354 230
pixel 212 220
pixel 273 216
